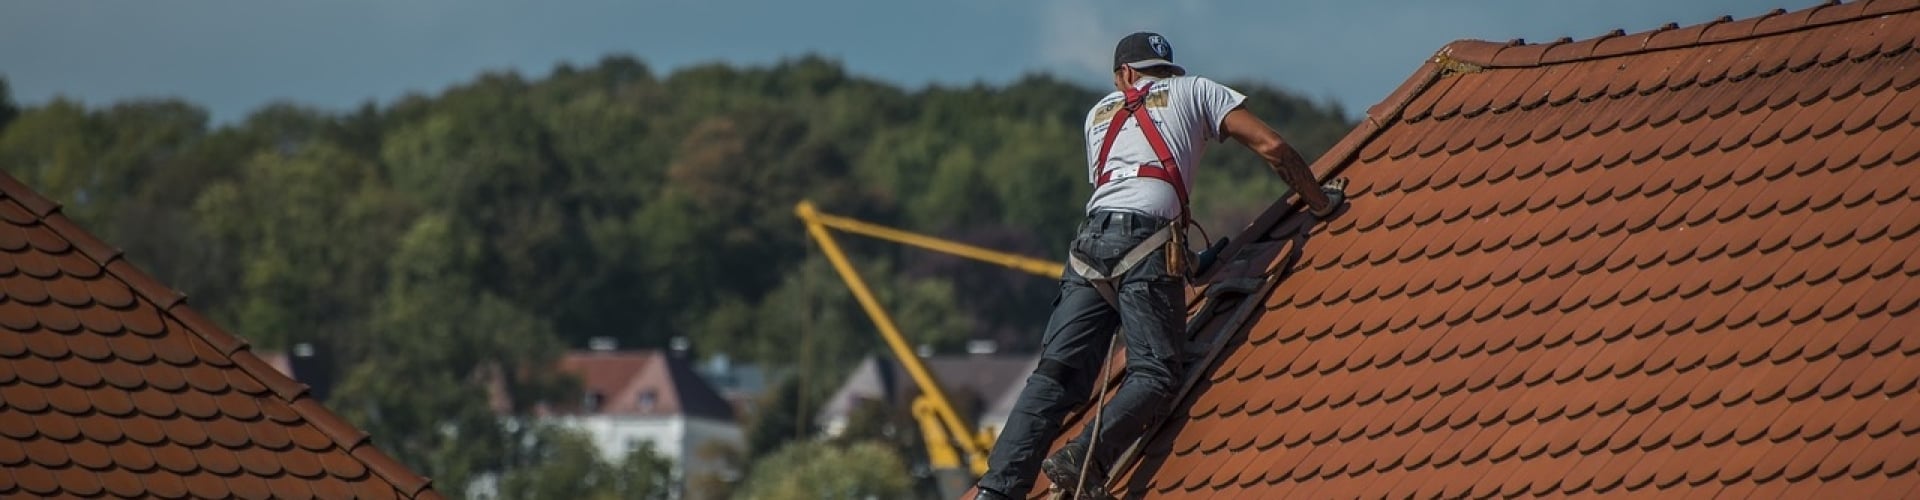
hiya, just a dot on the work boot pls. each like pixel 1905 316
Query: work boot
pixel 986 494
pixel 1063 468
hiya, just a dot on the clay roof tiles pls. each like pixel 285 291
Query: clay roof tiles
pixel 1668 263
pixel 110 385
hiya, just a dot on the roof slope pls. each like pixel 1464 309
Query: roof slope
pixel 620 378
pixel 111 385
pixel 1674 262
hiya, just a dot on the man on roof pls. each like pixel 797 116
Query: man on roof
pixel 1129 265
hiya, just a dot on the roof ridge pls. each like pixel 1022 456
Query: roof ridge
pixel 688 386
pixel 171 303
pixel 1516 53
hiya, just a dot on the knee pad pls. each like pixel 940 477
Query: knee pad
pixel 1061 373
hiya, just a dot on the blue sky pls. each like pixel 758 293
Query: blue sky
pixel 233 56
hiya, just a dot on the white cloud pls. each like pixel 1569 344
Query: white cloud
pixel 1074 38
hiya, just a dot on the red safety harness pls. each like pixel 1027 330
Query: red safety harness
pixel 1167 170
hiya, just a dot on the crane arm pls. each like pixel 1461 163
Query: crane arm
pixel 1030 265
pixel 935 399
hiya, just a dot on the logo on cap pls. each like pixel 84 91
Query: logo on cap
pixel 1159 46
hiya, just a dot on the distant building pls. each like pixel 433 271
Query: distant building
pixel 650 396
pixel 974 382
pixel 740 384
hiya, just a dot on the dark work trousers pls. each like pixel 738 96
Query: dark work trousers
pixel 1076 342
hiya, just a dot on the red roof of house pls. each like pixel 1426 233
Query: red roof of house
pixel 1676 262
pixel 648 382
pixel 111 385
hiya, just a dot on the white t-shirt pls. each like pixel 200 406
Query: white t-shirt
pixel 1187 110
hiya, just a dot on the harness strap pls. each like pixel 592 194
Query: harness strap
pixel 1168 170
pixel 1104 282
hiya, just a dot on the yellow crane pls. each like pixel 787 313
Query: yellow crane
pixel 940 425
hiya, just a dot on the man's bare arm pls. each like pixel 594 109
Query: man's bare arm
pixel 1250 131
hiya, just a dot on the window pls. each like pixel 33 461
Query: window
pixel 647 399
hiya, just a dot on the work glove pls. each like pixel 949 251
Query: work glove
pixel 1336 191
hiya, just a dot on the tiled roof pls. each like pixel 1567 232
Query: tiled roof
pixel 1678 262
pixel 622 377
pixel 110 385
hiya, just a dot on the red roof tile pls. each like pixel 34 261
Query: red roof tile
pixel 1667 263
pixel 111 385
pixel 645 382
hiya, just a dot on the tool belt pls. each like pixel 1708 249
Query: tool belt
pixel 1107 281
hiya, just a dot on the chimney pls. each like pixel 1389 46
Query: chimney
pixel 979 347
pixel 310 366
pixel 603 344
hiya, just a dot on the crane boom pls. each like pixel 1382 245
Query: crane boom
pixel 1039 267
pixel 934 400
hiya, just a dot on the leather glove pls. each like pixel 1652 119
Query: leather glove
pixel 1336 191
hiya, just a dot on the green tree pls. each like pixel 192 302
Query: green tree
pixel 817 469
pixel 719 482
pixel 568 465
pixel 7 107
pixel 778 420
pixel 95 161
pixel 311 231
pixel 811 318
pixel 54 148
pixel 438 332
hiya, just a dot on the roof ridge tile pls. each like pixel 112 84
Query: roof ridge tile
pixel 1726 29
pixel 1778 20
pixel 1481 53
pixel 384 466
pixel 224 343
pixel 1835 11
pixel 1619 41
pixel 86 243
pixel 282 386
pixel 343 434
pixel 1673 36
pixel 1558 51
pixel 18 191
pixel 1523 54
pixel 144 285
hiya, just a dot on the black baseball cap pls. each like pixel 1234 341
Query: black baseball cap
pixel 1145 50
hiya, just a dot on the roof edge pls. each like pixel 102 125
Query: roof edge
pixel 1335 160
pixel 38 205
pixel 172 304
pixel 396 473
pixel 1517 53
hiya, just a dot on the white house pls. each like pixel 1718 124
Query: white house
pixel 656 397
